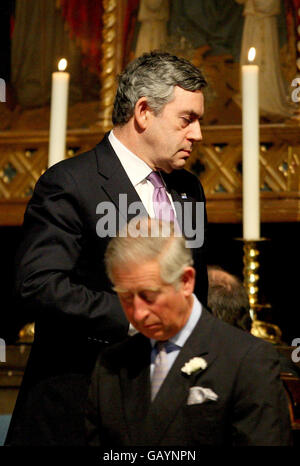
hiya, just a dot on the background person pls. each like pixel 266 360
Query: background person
pixel 228 300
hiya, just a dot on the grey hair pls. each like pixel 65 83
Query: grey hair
pixel 227 298
pixel 153 75
pixel 170 251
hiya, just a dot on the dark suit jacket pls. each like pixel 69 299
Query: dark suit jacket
pixel 61 280
pixel 242 370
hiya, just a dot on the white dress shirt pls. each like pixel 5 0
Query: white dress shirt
pixel 137 171
pixel 175 343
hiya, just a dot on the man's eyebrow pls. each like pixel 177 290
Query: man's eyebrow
pixel 121 290
pixel 193 114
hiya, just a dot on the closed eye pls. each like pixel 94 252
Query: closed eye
pixel 126 297
pixel 149 296
pixel 189 119
pixel 185 121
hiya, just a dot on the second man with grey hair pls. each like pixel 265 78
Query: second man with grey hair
pixel 186 378
pixel 61 281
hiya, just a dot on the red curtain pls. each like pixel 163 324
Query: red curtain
pixel 292 17
pixel 128 28
pixel 84 22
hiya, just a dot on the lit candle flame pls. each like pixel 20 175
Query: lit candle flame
pixel 62 64
pixel 251 54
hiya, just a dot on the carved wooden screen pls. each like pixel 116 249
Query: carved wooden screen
pixel 217 160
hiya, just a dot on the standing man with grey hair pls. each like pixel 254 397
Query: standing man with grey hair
pixel 76 206
pixel 187 378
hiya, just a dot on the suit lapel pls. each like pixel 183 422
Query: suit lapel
pixel 182 203
pixel 174 391
pixel 115 182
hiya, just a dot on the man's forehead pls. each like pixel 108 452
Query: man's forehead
pixel 181 92
pixel 188 101
pixel 143 272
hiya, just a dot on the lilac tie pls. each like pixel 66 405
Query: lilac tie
pixel 160 368
pixel 161 203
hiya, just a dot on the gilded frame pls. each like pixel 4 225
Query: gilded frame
pixel 112 53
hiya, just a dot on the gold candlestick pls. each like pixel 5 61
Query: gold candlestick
pixel 266 330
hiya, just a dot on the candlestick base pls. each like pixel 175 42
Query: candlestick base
pixel 26 334
pixel 265 330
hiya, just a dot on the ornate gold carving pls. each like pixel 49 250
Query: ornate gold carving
pixel 220 166
pixel 24 158
pixel 20 168
pixel 293 170
pixel 109 65
pixel 217 161
pixel 221 163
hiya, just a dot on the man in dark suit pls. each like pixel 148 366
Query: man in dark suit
pixel 207 384
pixel 228 300
pixel 77 204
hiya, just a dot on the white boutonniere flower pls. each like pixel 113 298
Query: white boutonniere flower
pixel 194 365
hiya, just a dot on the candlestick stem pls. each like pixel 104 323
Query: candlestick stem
pixel 251 275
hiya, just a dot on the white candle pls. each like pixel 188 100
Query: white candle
pixel 58 115
pixel 250 112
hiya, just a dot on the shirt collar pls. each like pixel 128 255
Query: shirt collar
pixel 180 338
pixel 137 170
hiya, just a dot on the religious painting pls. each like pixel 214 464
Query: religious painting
pixel 36 34
pixel 216 36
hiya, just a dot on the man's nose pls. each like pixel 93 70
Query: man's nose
pixel 140 309
pixel 195 131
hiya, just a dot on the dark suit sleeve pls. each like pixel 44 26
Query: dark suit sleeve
pixel 92 412
pixel 54 229
pixel 261 414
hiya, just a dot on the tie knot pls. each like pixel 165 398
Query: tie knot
pixel 155 179
pixel 160 345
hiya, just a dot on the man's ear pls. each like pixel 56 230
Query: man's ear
pixel 188 280
pixel 142 112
